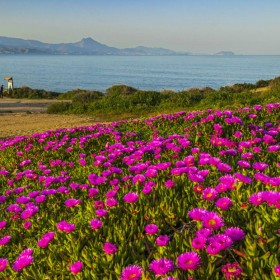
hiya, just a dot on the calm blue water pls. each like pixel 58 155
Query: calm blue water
pixel 62 73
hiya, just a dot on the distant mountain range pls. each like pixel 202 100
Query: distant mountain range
pixel 86 46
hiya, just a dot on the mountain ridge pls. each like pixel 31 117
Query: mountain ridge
pixel 86 46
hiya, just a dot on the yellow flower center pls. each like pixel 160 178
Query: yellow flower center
pixel 212 222
pixel 232 269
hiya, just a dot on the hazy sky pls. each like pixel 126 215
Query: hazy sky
pixel 201 26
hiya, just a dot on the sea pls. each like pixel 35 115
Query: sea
pixel 63 73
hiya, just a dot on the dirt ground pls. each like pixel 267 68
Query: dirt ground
pixel 25 117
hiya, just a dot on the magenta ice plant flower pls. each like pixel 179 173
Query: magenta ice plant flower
pixel 109 248
pixel 66 227
pixel 204 232
pixel 169 184
pixel 46 239
pixel 231 271
pixel 76 267
pixel 132 272
pixel 27 251
pixel 214 248
pixel 95 224
pixel 277 270
pixel 212 220
pixel 27 225
pixel 21 262
pixel 92 192
pixel 101 212
pixel 224 203
pixel 71 202
pixel 4 240
pixel 162 266
pixel 131 197
pixel 162 240
pixel 3 264
pixel 2 224
pixel 189 261
pixel 111 202
pixel 197 214
pixel 209 194
pixel 199 243
pixel 222 239
pixel 235 233
pixel 151 229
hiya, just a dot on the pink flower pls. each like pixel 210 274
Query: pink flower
pixel 209 194
pixel 72 202
pixel 22 261
pixel 162 240
pixel 46 239
pixel 235 233
pixel 2 224
pixel 189 261
pixel 64 226
pixel 212 220
pixel 132 272
pixel 110 248
pixel 169 184
pixel 3 264
pixel 4 240
pixel 92 192
pixel 27 225
pixel 131 197
pixel 232 271
pixel 276 270
pixel 76 267
pixel 95 224
pixel 111 202
pixel 199 243
pixel 197 214
pixel 101 212
pixel 151 229
pixel 162 266
pixel 224 203
pixel 139 178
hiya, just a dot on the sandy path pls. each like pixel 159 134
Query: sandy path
pixel 10 105
pixel 25 117
pixel 26 124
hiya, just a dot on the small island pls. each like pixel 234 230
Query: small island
pixel 225 53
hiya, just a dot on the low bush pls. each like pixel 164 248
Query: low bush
pixel 57 108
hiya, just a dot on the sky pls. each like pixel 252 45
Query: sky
pixel 198 26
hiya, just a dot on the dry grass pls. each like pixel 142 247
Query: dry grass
pixel 261 90
pixel 25 124
pixel 25 117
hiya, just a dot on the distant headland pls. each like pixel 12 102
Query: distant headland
pixel 225 53
pixel 87 46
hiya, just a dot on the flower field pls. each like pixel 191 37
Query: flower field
pixel 193 195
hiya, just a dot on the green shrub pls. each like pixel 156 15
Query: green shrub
pixel 275 84
pixel 87 97
pixel 262 83
pixel 27 92
pixel 58 108
pixel 121 90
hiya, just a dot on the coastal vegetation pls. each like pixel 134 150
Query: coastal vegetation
pixel 189 195
pixel 122 101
